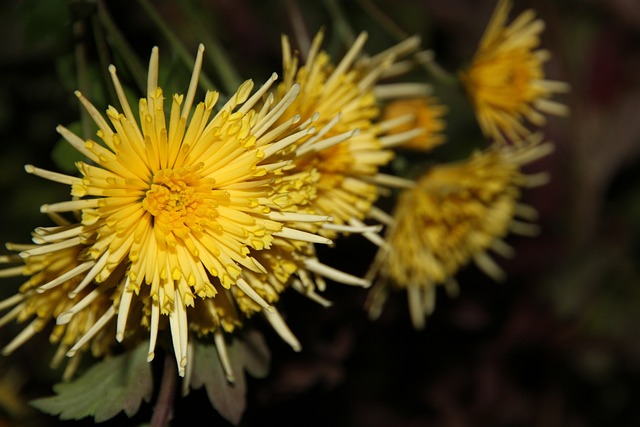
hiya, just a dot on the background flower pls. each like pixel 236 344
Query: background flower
pixel 506 80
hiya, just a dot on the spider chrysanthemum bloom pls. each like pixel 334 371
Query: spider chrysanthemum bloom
pixel 177 209
pixel 44 297
pixel 506 79
pixel 454 215
pixel 428 115
pixel 356 145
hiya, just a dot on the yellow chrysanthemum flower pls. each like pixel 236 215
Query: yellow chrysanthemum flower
pixel 453 216
pixel 506 80
pixel 44 297
pixel 428 114
pixel 182 212
pixel 356 146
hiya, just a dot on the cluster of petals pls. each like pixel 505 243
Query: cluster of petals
pixel 506 80
pixel 454 215
pixel 192 218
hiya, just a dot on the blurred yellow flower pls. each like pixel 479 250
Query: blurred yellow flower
pixel 453 216
pixel 177 214
pixel 428 115
pixel 506 80
pixel 44 296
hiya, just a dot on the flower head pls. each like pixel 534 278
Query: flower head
pixel 44 297
pixel 177 210
pixel 428 115
pixel 343 100
pixel 506 80
pixel 453 216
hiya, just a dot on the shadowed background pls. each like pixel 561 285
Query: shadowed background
pixel 556 345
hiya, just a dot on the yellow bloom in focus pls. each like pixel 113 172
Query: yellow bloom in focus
pixel 178 213
pixel 342 100
pixel 428 115
pixel 453 216
pixel 506 81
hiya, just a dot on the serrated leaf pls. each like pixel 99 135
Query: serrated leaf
pixel 110 386
pixel 247 352
pixel 228 399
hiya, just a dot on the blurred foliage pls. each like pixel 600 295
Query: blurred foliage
pixel 555 346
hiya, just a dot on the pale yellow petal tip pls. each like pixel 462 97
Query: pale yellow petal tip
pixel 78 94
pixel 120 337
pixel 29 169
pixel 201 48
pixel 230 377
pixel 112 69
pixel 366 284
pixel 415 39
pixel 71 353
pixel 151 356
pixel 182 366
pixel 64 318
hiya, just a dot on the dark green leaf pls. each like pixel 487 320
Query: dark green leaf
pixel 228 399
pixel 112 385
pixel 247 352
pixel 255 354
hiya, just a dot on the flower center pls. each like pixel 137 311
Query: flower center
pixel 176 199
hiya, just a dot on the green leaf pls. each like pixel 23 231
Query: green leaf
pixel 255 354
pixel 228 399
pixel 112 385
pixel 246 352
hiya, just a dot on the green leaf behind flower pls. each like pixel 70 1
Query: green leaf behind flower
pixel 247 352
pixel 112 385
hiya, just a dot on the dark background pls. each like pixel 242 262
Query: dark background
pixel 556 345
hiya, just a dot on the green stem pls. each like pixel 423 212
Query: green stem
pixel 175 42
pixel 341 23
pixel 425 59
pixel 383 20
pixel 104 58
pixel 303 40
pixel 435 69
pixel 229 75
pixel 80 53
pixel 122 47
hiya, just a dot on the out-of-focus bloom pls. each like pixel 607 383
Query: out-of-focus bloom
pixel 343 101
pixel 44 296
pixel 175 212
pixel 506 80
pixel 428 115
pixel 453 216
